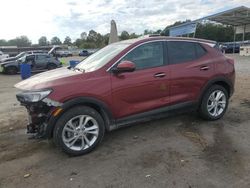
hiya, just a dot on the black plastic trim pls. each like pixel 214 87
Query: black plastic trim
pixel 156 113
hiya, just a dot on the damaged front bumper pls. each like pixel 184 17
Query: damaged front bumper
pixel 39 113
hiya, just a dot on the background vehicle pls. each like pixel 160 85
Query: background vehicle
pixel 3 56
pixel 63 53
pixel 38 62
pixel 230 48
pixel 84 53
pixel 22 54
pixel 127 82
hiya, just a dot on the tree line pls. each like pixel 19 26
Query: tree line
pixel 93 39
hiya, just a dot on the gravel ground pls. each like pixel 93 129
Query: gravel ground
pixel 179 151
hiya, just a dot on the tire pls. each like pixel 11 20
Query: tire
pixel 209 108
pixel 11 70
pixel 74 140
pixel 51 66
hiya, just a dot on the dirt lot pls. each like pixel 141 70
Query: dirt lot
pixel 180 151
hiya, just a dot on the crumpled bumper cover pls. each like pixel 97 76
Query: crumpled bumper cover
pixel 38 115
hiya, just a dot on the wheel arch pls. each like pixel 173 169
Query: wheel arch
pixel 9 67
pixel 96 104
pixel 222 81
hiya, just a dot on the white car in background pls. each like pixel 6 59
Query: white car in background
pixel 3 56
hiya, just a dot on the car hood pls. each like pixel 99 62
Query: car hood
pixel 47 79
pixel 8 59
pixel 7 62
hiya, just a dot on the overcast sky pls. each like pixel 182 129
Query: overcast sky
pixel 61 18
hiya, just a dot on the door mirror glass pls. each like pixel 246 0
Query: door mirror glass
pixel 124 66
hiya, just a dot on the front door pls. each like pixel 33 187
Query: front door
pixel 30 59
pixel 147 87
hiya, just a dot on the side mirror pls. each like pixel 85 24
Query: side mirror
pixel 124 66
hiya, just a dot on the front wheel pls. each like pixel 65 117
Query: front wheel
pixel 214 103
pixel 11 70
pixel 79 130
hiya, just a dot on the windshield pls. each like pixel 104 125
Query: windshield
pixel 22 59
pixel 101 57
pixel 20 55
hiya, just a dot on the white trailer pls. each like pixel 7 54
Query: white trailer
pixel 245 50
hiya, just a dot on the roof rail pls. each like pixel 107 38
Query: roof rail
pixel 154 35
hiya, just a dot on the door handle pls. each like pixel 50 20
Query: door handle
pixel 204 68
pixel 160 75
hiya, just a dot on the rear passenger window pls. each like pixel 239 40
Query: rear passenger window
pixel 200 51
pixel 180 51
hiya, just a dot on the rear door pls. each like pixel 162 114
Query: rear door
pixel 41 61
pixel 146 88
pixel 190 67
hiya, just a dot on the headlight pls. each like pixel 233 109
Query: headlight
pixel 33 96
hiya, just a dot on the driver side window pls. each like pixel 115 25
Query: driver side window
pixel 146 56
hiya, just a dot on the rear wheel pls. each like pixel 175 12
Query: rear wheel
pixel 214 103
pixel 11 70
pixel 79 130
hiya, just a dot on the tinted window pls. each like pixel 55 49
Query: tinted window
pixel 147 55
pixel 180 51
pixel 30 58
pixel 41 57
pixel 200 51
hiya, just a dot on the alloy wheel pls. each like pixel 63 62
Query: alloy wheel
pixel 216 103
pixel 80 132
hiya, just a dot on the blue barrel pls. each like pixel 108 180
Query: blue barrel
pixel 73 63
pixel 25 70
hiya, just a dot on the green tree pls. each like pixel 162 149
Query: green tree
pixel 55 41
pixel 67 40
pixel 83 35
pixel 124 35
pixel 78 42
pixel 22 41
pixel 148 32
pixel 215 32
pixel 3 42
pixel 42 41
pixel 133 35
pixel 159 31
pixel 92 36
pixel 106 39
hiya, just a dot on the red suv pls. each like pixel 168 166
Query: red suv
pixel 123 83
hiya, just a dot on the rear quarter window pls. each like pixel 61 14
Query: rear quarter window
pixel 200 51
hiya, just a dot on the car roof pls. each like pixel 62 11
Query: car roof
pixel 155 38
pixel 37 54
